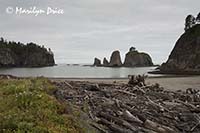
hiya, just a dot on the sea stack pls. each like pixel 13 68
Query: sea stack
pixel 105 62
pixel 185 56
pixel 136 59
pixel 97 62
pixel 115 59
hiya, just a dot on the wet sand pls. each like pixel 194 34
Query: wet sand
pixel 170 83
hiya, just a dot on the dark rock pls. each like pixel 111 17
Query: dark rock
pixel 37 59
pixel 185 57
pixel 14 54
pixel 7 57
pixel 97 62
pixel 105 62
pixel 136 59
pixel 115 59
pixel 133 59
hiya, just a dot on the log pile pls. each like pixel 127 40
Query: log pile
pixel 134 107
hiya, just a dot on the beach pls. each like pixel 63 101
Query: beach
pixel 172 83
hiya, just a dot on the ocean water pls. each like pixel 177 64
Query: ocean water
pixel 72 71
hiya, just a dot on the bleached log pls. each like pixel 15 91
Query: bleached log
pixel 157 127
pixel 131 118
pixel 118 121
pixel 112 126
pixel 126 92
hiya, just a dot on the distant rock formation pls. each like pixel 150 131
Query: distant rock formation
pixel 105 62
pixel 97 62
pixel 185 57
pixel 14 54
pixel 136 59
pixel 133 59
pixel 115 59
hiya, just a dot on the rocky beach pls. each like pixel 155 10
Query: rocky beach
pixel 135 106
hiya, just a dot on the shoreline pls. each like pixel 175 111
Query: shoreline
pixel 150 77
pixel 172 83
pixel 169 82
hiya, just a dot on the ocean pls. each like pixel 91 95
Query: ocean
pixel 76 71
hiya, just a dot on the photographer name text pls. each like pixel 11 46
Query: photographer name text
pixel 34 11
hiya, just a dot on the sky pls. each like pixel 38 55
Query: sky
pixel 95 28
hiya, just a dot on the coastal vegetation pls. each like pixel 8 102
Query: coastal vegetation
pixel 191 21
pixel 28 105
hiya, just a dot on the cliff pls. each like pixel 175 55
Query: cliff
pixel 14 54
pixel 185 56
pixel 137 59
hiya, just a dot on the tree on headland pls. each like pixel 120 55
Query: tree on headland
pixel 190 21
pixel 1 40
pixel 198 18
pixel 132 49
pixel 20 48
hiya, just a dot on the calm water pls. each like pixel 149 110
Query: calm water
pixel 66 71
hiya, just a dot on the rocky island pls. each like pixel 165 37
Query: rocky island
pixel 185 56
pixel 133 58
pixel 14 54
pixel 137 59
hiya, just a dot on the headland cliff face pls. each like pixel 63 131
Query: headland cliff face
pixel 14 54
pixel 185 56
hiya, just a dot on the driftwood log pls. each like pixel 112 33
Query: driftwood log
pixel 134 107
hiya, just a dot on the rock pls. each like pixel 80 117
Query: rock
pixel 14 54
pixel 185 57
pixel 136 59
pixel 115 59
pixel 97 62
pixel 7 57
pixel 105 62
pixel 39 59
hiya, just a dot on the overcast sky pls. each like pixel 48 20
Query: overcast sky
pixel 94 28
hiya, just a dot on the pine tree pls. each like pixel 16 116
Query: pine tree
pixel 198 18
pixel 190 21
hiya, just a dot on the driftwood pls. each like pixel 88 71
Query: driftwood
pixel 137 80
pixel 157 127
pixel 134 107
pixel 126 92
pixel 131 118
pixel 118 121
pixel 113 127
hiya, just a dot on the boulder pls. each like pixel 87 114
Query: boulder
pixel 97 62
pixel 105 62
pixel 185 56
pixel 136 59
pixel 115 59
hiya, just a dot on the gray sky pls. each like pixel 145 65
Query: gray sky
pixel 94 28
